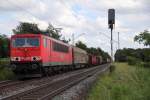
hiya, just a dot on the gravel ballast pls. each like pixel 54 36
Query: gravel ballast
pixel 80 90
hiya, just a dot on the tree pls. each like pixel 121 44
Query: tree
pixel 120 56
pixel 99 52
pixel 25 27
pixel 104 54
pixel 93 51
pixel 143 54
pixel 53 32
pixel 65 40
pixel 4 46
pixel 143 37
pixel 81 45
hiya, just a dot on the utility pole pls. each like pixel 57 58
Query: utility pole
pixel 73 44
pixel 73 39
pixel 73 48
pixel 118 41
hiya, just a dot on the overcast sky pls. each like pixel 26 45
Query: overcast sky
pixel 80 16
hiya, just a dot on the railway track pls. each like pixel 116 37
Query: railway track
pixel 4 82
pixel 12 87
pixel 8 83
pixel 50 87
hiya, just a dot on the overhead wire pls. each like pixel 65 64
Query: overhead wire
pixel 108 37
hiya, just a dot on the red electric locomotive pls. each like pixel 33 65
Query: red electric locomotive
pixel 33 53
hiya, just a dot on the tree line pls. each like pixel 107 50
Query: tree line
pixel 122 55
pixel 51 31
pixel 143 54
pixel 94 51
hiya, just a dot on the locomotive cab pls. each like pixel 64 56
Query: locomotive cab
pixel 25 53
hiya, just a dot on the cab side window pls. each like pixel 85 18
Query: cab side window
pixel 45 42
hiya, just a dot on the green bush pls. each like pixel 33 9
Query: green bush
pixel 112 68
pixel 132 60
pixel 146 64
pixel 6 73
pixel 4 62
pixel 143 64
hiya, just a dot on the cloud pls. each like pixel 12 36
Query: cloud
pixel 28 18
pixel 80 16
pixel 22 5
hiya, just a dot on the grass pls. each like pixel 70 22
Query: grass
pixel 5 72
pixel 125 83
pixel 4 61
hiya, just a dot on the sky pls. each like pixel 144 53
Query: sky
pixel 81 16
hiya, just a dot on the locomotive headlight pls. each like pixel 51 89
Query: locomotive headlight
pixel 36 58
pixel 15 58
pixel 12 58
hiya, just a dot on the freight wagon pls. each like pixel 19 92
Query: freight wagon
pixel 80 57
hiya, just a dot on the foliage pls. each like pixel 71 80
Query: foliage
pixel 6 73
pixel 65 40
pixel 53 32
pixel 132 60
pixel 142 54
pixel 125 83
pixel 112 68
pixel 4 46
pixel 25 27
pixel 146 64
pixel 4 62
pixel 104 54
pixel 81 45
pixel 143 37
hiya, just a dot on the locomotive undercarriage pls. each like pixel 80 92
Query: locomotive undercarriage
pixel 35 69
pixel 27 69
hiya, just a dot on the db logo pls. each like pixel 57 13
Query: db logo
pixel 25 58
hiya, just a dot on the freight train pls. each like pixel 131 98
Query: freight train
pixel 37 55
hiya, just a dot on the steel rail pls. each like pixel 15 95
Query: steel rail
pixel 59 90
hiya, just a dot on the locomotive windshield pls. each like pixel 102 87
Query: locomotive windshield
pixel 26 42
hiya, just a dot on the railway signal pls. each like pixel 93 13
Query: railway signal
pixel 111 25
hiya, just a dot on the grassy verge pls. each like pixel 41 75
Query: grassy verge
pixel 125 83
pixel 5 71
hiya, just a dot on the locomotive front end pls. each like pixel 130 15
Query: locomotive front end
pixel 25 54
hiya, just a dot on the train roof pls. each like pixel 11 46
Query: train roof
pixel 31 34
pixel 79 50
